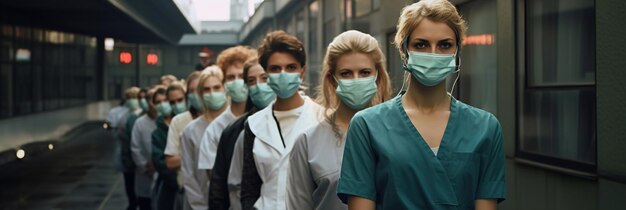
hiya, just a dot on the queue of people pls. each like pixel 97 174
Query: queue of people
pixel 242 134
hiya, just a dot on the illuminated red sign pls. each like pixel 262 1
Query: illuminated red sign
pixel 481 39
pixel 126 57
pixel 152 59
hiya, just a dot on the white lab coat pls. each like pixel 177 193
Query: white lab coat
pixel 271 157
pixel 141 148
pixel 234 174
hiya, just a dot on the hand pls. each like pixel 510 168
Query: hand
pixel 149 167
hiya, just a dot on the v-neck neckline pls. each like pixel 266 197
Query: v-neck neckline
pixel 443 145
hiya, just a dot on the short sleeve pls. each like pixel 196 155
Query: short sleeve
pixel 359 163
pixel 491 183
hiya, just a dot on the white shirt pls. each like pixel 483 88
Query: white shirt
pixel 271 154
pixel 211 138
pixel 141 148
pixel 196 190
pixel 315 165
pixel 287 119
pixel 178 124
pixel 115 115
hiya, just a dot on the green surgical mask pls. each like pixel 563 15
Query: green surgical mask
pixel 164 109
pixel 237 90
pixel 132 103
pixel 180 107
pixel 261 95
pixel 214 100
pixel 284 84
pixel 194 101
pixel 144 104
pixel 357 93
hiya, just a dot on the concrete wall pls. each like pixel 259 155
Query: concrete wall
pixel 48 125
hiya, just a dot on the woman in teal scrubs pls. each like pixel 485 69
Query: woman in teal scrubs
pixel 424 149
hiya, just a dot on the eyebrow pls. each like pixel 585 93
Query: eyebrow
pixel 424 40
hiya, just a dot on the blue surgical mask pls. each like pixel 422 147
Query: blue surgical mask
pixel 284 84
pixel 132 103
pixel 194 101
pixel 430 69
pixel 144 104
pixel 164 109
pixel 180 107
pixel 214 100
pixel 237 90
pixel 357 93
pixel 262 95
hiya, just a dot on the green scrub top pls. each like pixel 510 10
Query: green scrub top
pixel 387 161
pixel 159 140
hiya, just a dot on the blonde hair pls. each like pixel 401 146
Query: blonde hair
pixel 236 55
pixel 132 92
pixel 434 10
pixel 346 43
pixel 206 74
pixel 169 77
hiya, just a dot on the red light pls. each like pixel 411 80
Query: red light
pixel 481 39
pixel 126 57
pixel 152 59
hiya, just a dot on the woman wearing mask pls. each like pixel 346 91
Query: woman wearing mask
pixel 354 78
pixel 167 185
pixel 182 119
pixel 226 174
pixel 141 147
pixel 231 62
pixel 210 83
pixel 271 133
pixel 424 149
pixel 179 122
pixel 128 166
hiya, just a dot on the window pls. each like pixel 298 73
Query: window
pixel 477 83
pixel 558 92
pixel 362 7
pixel 313 48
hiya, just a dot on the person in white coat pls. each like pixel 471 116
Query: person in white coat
pixel 185 110
pixel 195 185
pixel 231 62
pixel 353 78
pixel 141 148
pixel 271 133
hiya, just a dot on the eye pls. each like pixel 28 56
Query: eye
pixel 345 74
pixel 264 78
pixel 365 73
pixel 292 67
pixel 445 45
pixel 420 45
pixel 274 69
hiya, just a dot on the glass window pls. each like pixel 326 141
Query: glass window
pixel 561 45
pixel 313 55
pixel 300 24
pixel 558 95
pixel 477 85
pixel 362 7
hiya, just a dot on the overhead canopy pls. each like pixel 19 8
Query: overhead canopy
pixel 136 21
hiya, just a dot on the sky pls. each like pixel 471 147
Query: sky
pixel 217 10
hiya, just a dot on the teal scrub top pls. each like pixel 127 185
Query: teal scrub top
pixel 387 161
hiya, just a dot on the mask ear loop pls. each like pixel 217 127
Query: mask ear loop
pixel 458 60
pixel 407 74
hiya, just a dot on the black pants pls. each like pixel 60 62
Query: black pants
pixel 144 203
pixel 129 182
pixel 166 196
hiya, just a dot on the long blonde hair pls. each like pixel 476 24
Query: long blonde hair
pixel 346 43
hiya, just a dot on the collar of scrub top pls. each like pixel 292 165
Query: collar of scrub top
pixel 457 55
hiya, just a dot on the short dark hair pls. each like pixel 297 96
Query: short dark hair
pixel 159 91
pixel 280 41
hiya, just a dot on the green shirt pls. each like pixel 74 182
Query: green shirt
pixel 386 160
pixel 159 140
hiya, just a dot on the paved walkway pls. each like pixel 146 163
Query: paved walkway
pixel 78 173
